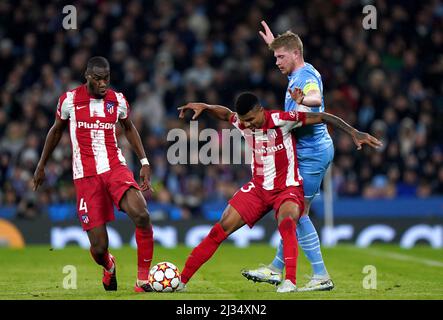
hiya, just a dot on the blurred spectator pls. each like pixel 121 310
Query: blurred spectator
pixel 150 108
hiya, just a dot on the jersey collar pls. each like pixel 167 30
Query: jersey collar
pixel 109 96
pixel 294 73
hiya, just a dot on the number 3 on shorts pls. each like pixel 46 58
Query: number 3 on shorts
pixel 250 186
pixel 83 205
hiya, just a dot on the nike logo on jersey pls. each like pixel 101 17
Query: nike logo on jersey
pixel 80 107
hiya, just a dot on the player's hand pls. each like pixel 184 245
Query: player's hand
pixel 297 95
pixel 361 138
pixel 267 35
pixel 145 177
pixel 39 177
pixel 196 106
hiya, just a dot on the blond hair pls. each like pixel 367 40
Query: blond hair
pixel 288 40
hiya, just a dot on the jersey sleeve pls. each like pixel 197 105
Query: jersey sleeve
pixel 289 120
pixel 62 107
pixel 123 106
pixel 235 121
pixel 308 82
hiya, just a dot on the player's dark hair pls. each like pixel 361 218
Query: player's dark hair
pixel 245 102
pixel 98 61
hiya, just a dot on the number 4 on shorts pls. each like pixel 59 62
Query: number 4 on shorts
pixel 83 205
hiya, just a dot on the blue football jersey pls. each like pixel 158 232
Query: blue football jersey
pixel 311 138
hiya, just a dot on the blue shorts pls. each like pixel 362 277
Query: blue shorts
pixel 313 167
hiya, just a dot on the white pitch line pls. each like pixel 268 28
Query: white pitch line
pixel 399 256
pixel 404 257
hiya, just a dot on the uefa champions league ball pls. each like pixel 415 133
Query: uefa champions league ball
pixel 164 277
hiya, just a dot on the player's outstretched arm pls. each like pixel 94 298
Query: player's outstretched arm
pixel 52 139
pixel 219 112
pixel 134 140
pixel 267 36
pixel 359 137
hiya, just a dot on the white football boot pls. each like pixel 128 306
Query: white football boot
pixel 181 287
pixel 263 274
pixel 287 286
pixel 318 283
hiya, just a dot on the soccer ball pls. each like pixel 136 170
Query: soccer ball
pixel 164 277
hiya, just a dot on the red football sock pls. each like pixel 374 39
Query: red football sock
pixel 145 248
pixel 102 259
pixel 203 252
pixel 290 247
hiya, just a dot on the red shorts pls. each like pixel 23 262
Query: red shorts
pixel 253 202
pixel 97 194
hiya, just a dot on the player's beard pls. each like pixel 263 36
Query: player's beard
pixel 285 71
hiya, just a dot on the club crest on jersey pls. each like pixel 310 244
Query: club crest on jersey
pixel 293 114
pixel 85 218
pixel 110 107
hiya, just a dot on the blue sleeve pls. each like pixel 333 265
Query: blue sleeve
pixel 308 81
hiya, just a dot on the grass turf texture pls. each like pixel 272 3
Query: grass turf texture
pixel 37 273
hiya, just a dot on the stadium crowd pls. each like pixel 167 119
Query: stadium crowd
pixel 164 53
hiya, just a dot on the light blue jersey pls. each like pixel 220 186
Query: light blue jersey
pixel 315 149
pixel 315 152
pixel 315 138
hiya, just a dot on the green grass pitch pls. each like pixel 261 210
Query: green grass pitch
pixel 36 272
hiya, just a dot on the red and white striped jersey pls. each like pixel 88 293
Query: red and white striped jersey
pixel 92 129
pixel 274 155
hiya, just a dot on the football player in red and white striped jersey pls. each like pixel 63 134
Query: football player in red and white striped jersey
pixel 101 177
pixel 275 184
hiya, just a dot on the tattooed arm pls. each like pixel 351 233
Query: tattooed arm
pixel 358 136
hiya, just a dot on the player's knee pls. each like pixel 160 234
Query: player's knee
pixel 307 206
pixel 293 215
pixel 139 214
pixel 228 224
pixel 218 233
pixel 142 219
pixel 230 221
pixel 227 228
